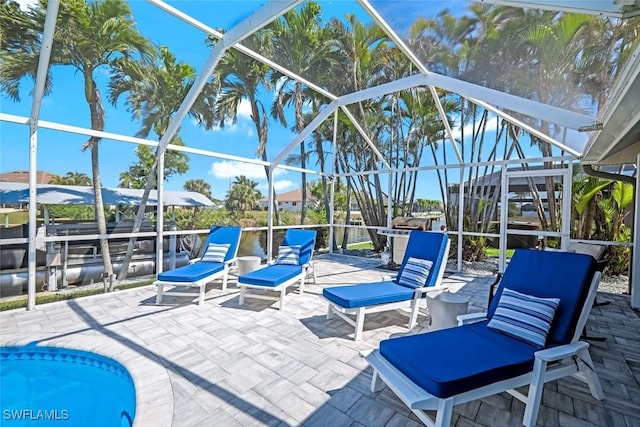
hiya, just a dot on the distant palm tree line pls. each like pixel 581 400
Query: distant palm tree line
pixel 541 55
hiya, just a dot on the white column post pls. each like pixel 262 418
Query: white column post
pixel 460 216
pixel 504 193
pixel 270 216
pixel 332 206
pixel 160 215
pixel 390 206
pixel 38 93
pixel 635 262
pixel 567 178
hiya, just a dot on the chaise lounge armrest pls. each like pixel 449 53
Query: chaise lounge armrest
pixel 554 354
pixel 465 319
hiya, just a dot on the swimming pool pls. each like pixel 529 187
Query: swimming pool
pixel 43 386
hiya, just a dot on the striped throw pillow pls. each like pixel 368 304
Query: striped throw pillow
pixel 415 272
pixel 288 255
pixel 525 317
pixel 216 252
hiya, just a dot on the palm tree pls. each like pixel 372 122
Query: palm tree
pixel 90 37
pixel 198 185
pixel 154 93
pixel 243 195
pixel 72 178
pixel 240 78
pixel 300 42
pixel 363 49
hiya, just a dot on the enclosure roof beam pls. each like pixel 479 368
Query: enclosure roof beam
pixel 299 139
pixel 260 18
pixel 611 8
pixel 241 48
pixel 416 61
pixel 540 135
pixel 381 90
pixel 478 95
pixel 524 106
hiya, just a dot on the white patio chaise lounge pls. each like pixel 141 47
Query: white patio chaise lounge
pixel 292 265
pixel 219 254
pixel 529 336
pixel 422 270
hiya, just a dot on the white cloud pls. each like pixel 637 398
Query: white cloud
pixel 244 110
pixel 26 4
pixel 491 127
pixel 243 117
pixel 230 169
pixel 278 185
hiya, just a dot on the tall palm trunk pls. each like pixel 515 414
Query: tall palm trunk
pixel 97 123
pixel 303 160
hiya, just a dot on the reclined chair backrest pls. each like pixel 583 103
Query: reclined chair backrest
pixel 306 239
pixel 224 235
pixel 545 274
pixel 429 245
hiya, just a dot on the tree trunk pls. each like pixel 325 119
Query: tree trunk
pixel 97 123
pixel 303 160
pixel 347 220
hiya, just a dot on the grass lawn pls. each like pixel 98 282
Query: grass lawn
pixel 495 253
pixel 362 245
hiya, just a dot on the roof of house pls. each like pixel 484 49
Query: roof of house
pixel 48 194
pixel 42 177
pixel 292 196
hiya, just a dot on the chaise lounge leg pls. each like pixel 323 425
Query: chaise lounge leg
pixel 534 397
pixel 225 277
pixel 359 324
pixel 159 295
pixel 301 288
pixel 375 384
pixel 590 376
pixel 201 296
pixel 415 308
pixel 329 312
pixel 445 412
pixel 313 272
pixel 242 292
pixel 283 292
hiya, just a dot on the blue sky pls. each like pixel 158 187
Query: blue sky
pixel 60 152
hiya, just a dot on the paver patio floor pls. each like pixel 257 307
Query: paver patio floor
pixel 228 365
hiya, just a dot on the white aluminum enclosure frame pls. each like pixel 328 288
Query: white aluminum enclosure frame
pixel 564 233
pixel 480 95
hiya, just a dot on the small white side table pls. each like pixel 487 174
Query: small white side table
pixel 444 309
pixel 247 264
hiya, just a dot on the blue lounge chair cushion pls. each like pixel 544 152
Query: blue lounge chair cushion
pixel 545 274
pixel 368 294
pixel 475 356
pixel 192 272
pixel 272 275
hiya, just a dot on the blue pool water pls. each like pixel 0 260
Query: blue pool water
pixel 52 386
